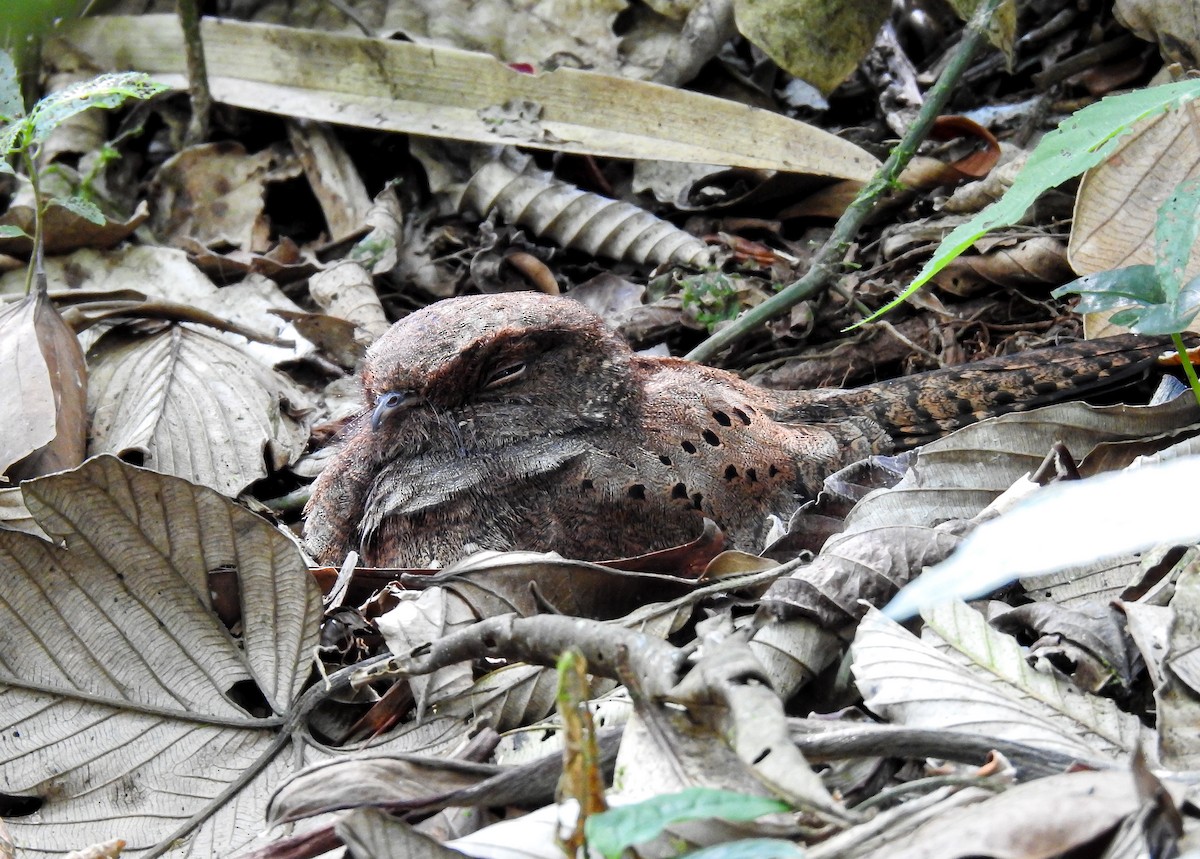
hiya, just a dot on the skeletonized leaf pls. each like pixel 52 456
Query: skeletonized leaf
pixel 44 383
pixel 971 678
pixel 124 682
pixel 193 406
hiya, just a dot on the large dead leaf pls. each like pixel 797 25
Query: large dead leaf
pixel 130 709
pixel 44 383
pixel 820 41
pixel 214 194
pixel 1117 205
pixel 442 92
pixel 1045 818
pixel 193 406
pixel 964 676
pixel 957 476
pixel 1173 24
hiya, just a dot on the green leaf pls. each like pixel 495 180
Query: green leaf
pixel 10 231
pixel 8 137
pixel 612 831
pixel 11 105
pixel 83 208
pixel 1104 290
pixel 1175 234
pixel 750 848
pixel 1080 142
pixel 103 91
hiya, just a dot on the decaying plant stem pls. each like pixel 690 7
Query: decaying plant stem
pixel 826 264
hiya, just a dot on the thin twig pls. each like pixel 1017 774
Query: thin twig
pixel 826 264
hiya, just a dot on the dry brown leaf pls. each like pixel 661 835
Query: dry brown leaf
pixel 819 41
pixel 132 696
pixel 194 406
pixel 1118 200
pixel 66 230
pixel 1041 260
pixel 1173 24
pixel 535 32
pixel 332 176
pixel 44 378
pixel 214 193
pixel 1039 820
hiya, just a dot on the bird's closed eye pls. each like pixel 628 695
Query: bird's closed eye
pixel 504 375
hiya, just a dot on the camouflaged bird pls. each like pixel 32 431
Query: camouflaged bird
pixel 520 421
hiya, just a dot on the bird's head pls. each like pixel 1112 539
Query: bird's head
pixel 485 371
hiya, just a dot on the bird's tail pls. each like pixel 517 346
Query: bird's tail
pixel 918 408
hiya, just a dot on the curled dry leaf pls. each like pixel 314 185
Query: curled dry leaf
pixel 214 194
pixel 194 406
pixel 133 699
pixel 1173 24
pixel 498 583
pixel 67 230
pixel 44 383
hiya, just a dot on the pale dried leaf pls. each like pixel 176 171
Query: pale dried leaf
pixel 332 176
pixel 372 833
pixel 957 476
pixel 44 380
pixel 514 696
pixel 123 679
pixel 1102 580
pixel 14 516
pixel 107 850
pixel 1067 524
pixel 971 678
pixel 193 406
pixel 520 31
pixel 441 92
pixel 1117 205
pixel 214 194
pixel 374 778
pixel 418 619
pixel 1173 24
pixel 1178 707
pixel 1041 819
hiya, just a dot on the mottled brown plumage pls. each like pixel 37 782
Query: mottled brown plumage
pixel 520 421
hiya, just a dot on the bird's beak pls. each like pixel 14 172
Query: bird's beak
pixel 389 403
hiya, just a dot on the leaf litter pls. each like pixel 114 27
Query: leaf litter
pixel 164 649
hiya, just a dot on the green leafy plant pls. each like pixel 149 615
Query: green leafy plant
pixel 1154 299
pixel 712 297
pixel 616 829
pixel 22 135
pixel 1083 140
